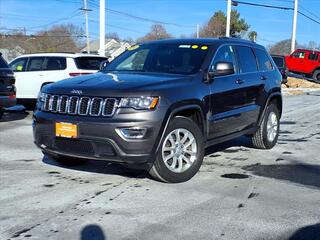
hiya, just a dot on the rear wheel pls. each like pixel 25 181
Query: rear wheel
pixel 1 112
pixel 181 153
pixel 316 76
pixel 267 134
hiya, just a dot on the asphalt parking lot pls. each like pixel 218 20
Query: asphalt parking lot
pixel 239 193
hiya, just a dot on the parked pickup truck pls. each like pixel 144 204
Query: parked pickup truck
pixel 306 62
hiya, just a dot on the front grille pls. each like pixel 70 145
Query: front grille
pixel 84 106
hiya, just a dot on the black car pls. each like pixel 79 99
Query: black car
pixel 160 104
pixel 280 62
pixel 7 88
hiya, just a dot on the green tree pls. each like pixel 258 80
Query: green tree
pixel 216 26
pixel 253 35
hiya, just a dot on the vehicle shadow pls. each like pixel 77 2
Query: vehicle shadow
pixel 92 232
pixel 242 141
pixel 100 166
pixel 311 232
pixel 10 116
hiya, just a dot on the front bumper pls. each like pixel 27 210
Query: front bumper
pixel 97 136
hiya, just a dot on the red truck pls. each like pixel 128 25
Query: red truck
pixel 306 62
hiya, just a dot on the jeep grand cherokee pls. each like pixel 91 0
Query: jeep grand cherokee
pixel 160 104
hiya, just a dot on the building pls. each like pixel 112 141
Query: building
pixel 113 48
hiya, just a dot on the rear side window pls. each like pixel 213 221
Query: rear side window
pixel 3 63
pixel 35 64
pixel 247 59
pixel 313 56
pixel 89 63
pixel 46 64
pixel 19 65
pixel 54 63
pixel 263 60
pixel 298 54
pixel 279 61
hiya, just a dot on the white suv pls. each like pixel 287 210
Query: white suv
pixel 32 71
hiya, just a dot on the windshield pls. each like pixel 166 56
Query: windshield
pixel 173 58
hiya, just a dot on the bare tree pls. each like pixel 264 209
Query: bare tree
pixel 157 32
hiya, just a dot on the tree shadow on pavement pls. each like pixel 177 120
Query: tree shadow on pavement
pixel 311 232
pixel 300 173
pixel 92 232
pixel 100 166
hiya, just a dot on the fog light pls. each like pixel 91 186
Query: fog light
pixel 132 133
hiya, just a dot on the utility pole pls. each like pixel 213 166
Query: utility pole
pixel 294 26
pixel 85 11
pixel 102 27
pixel 229 2
pixel 198 35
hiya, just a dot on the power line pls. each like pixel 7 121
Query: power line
pixel 276 7
pixel 263 5
pixel 311 13
pixel 141 18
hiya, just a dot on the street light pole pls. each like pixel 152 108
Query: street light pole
pixel 294 26
pixel 229 2
pixel 102 27
pixel 85 10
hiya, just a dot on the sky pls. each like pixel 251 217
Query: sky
pixel 272 25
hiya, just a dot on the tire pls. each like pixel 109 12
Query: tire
pixel 1 112
pixel 270 123
pixel 316 76
pixel 66 161
pixel 184 157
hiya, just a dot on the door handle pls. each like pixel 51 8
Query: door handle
pixel 264 78
pixel 239 81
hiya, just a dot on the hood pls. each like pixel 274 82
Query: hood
pixel 116 84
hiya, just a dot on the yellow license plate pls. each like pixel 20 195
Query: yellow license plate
pixel 67 130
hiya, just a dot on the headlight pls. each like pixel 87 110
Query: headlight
pixel 41 96
pixel 139 102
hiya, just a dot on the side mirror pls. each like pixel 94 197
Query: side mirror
pixel 103 64
pixel 221 69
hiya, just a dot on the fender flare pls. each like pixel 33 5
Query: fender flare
pixel 171 115
pixel 272 95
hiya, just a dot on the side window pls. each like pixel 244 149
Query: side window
pixel 35 63
pixel 313 56
pixel 19 65
pixel 263 60
pixel 247 59
pixel 225 54
pixel 298 54
pixel 54 63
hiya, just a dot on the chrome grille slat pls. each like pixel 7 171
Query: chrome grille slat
pixel 83 106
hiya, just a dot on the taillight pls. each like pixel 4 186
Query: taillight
pixel 12 96
pixel 74 74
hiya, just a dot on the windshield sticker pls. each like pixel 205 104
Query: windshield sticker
pixel 204 47
pixel 184 46
pixel 133 47
pixel 195 46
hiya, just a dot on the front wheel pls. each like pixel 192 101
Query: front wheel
pixel 181 152
pixel 267 134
